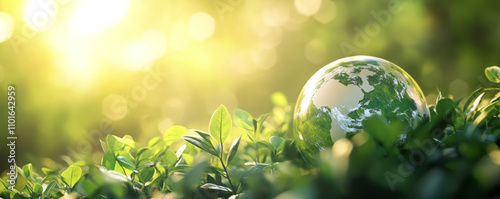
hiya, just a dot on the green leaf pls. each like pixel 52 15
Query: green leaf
pixel 169 158
pixel 38 189
pixel 89 187
pixel 27 189
pixel 276 142
pixel 279 99
pixel 445 106
pixel 472 97
pixel 258 124
pixel 383 133
pixel 173 134
pixel 243 119
pixel 233 150
pixel 218 150
pixel 144 155
pixel 179 152
pixel 496 98
pixel 80 163
pixel 109 160
pixel 193 175
pixel 210 179
pixel 250 137
pixel 117 176
pixel 439 97
pixel 207 137
pixel 71 175
pixel 474 105
pixel 48 172
pixel 215 187
pixel 114 143
pixel 493 74
pixel 265 144
pixel 146 174
pixel 27 170
pixel 147 164
pixel 104 146
pixel 49 188
pixel 129 141
pixel 4 183
pixel 220 124
pixel 154 141
pixel 188 158
pixel 126 162
pixel 200 143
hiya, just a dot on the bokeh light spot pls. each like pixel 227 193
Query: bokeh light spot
pixel 307 7
pixel 275 13
pixel 164 124
pixel 259 28
pixel 458 88
pixel 495 156
pixel 239 63
pixel 272 39
pixel 137 57
pixel 359 139
pixel 201 26
pixel 342 148
pixel 326 12
pixel 114 107
pixel 156 41
pixel 6 26
pixel 92 16
pixel 39 15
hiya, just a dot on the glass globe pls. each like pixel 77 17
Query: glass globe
pixel 340 96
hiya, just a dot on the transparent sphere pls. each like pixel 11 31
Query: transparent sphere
pixel 337 98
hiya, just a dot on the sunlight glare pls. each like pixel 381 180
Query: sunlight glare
pixel 156 41
pixel 137 57
pixel 342 148
pixel 92 16
pixel 6 26
pixel 201 26
pixel 75 67
pixel 39 15
pixel 307 7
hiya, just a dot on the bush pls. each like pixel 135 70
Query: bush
pixel 454 154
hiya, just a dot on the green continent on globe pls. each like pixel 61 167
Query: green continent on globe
pixel 339 97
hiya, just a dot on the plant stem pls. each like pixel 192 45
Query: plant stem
pixel 256 147
pixel 257 151
pixel 227 175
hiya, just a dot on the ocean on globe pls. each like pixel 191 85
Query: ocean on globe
pixel 340 96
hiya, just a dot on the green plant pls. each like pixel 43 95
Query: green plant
pixel 453 154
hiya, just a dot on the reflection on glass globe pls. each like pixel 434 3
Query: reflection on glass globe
pixel 337 98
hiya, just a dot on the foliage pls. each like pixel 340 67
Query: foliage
pixel 453 154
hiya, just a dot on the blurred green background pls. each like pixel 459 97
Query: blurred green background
pixel 85 68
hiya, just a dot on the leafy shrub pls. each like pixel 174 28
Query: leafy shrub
pixel 454 154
